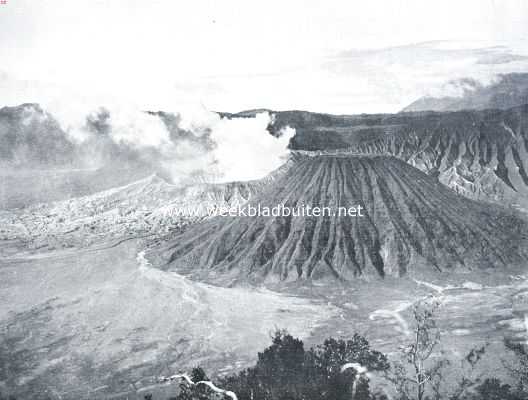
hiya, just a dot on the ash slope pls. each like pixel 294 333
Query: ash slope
pixel 411 223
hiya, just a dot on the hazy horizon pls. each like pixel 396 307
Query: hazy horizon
pixel 338 57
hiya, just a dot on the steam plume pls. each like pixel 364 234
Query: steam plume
pixel 189 146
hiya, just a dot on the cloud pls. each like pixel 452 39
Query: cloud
pixel 364 80
pixel 431 52
pixel 187 146
pixel 244 148
pixel 222 149
pixel 401 74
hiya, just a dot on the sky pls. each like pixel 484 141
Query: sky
pixel 332 56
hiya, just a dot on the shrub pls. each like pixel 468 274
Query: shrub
pixel 286 371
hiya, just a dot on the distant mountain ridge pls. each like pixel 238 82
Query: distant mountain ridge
pixel 482 154
pixel 510 90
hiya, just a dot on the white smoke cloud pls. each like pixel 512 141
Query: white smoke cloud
pixel 138 129
pixel 244 149
pixel 195 144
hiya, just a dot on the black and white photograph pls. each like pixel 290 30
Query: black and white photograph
pixel 280 200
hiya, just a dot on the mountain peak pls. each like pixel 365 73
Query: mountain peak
pixel 411 223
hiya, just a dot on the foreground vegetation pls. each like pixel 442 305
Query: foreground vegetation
pixel 341 369
pixel 350 369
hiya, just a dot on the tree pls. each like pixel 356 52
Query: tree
pixel 194 392
pixel 333 354
pixel 277 375
pixel 279 367
pixel 422 374
pixel 285 371
pixel 419 370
